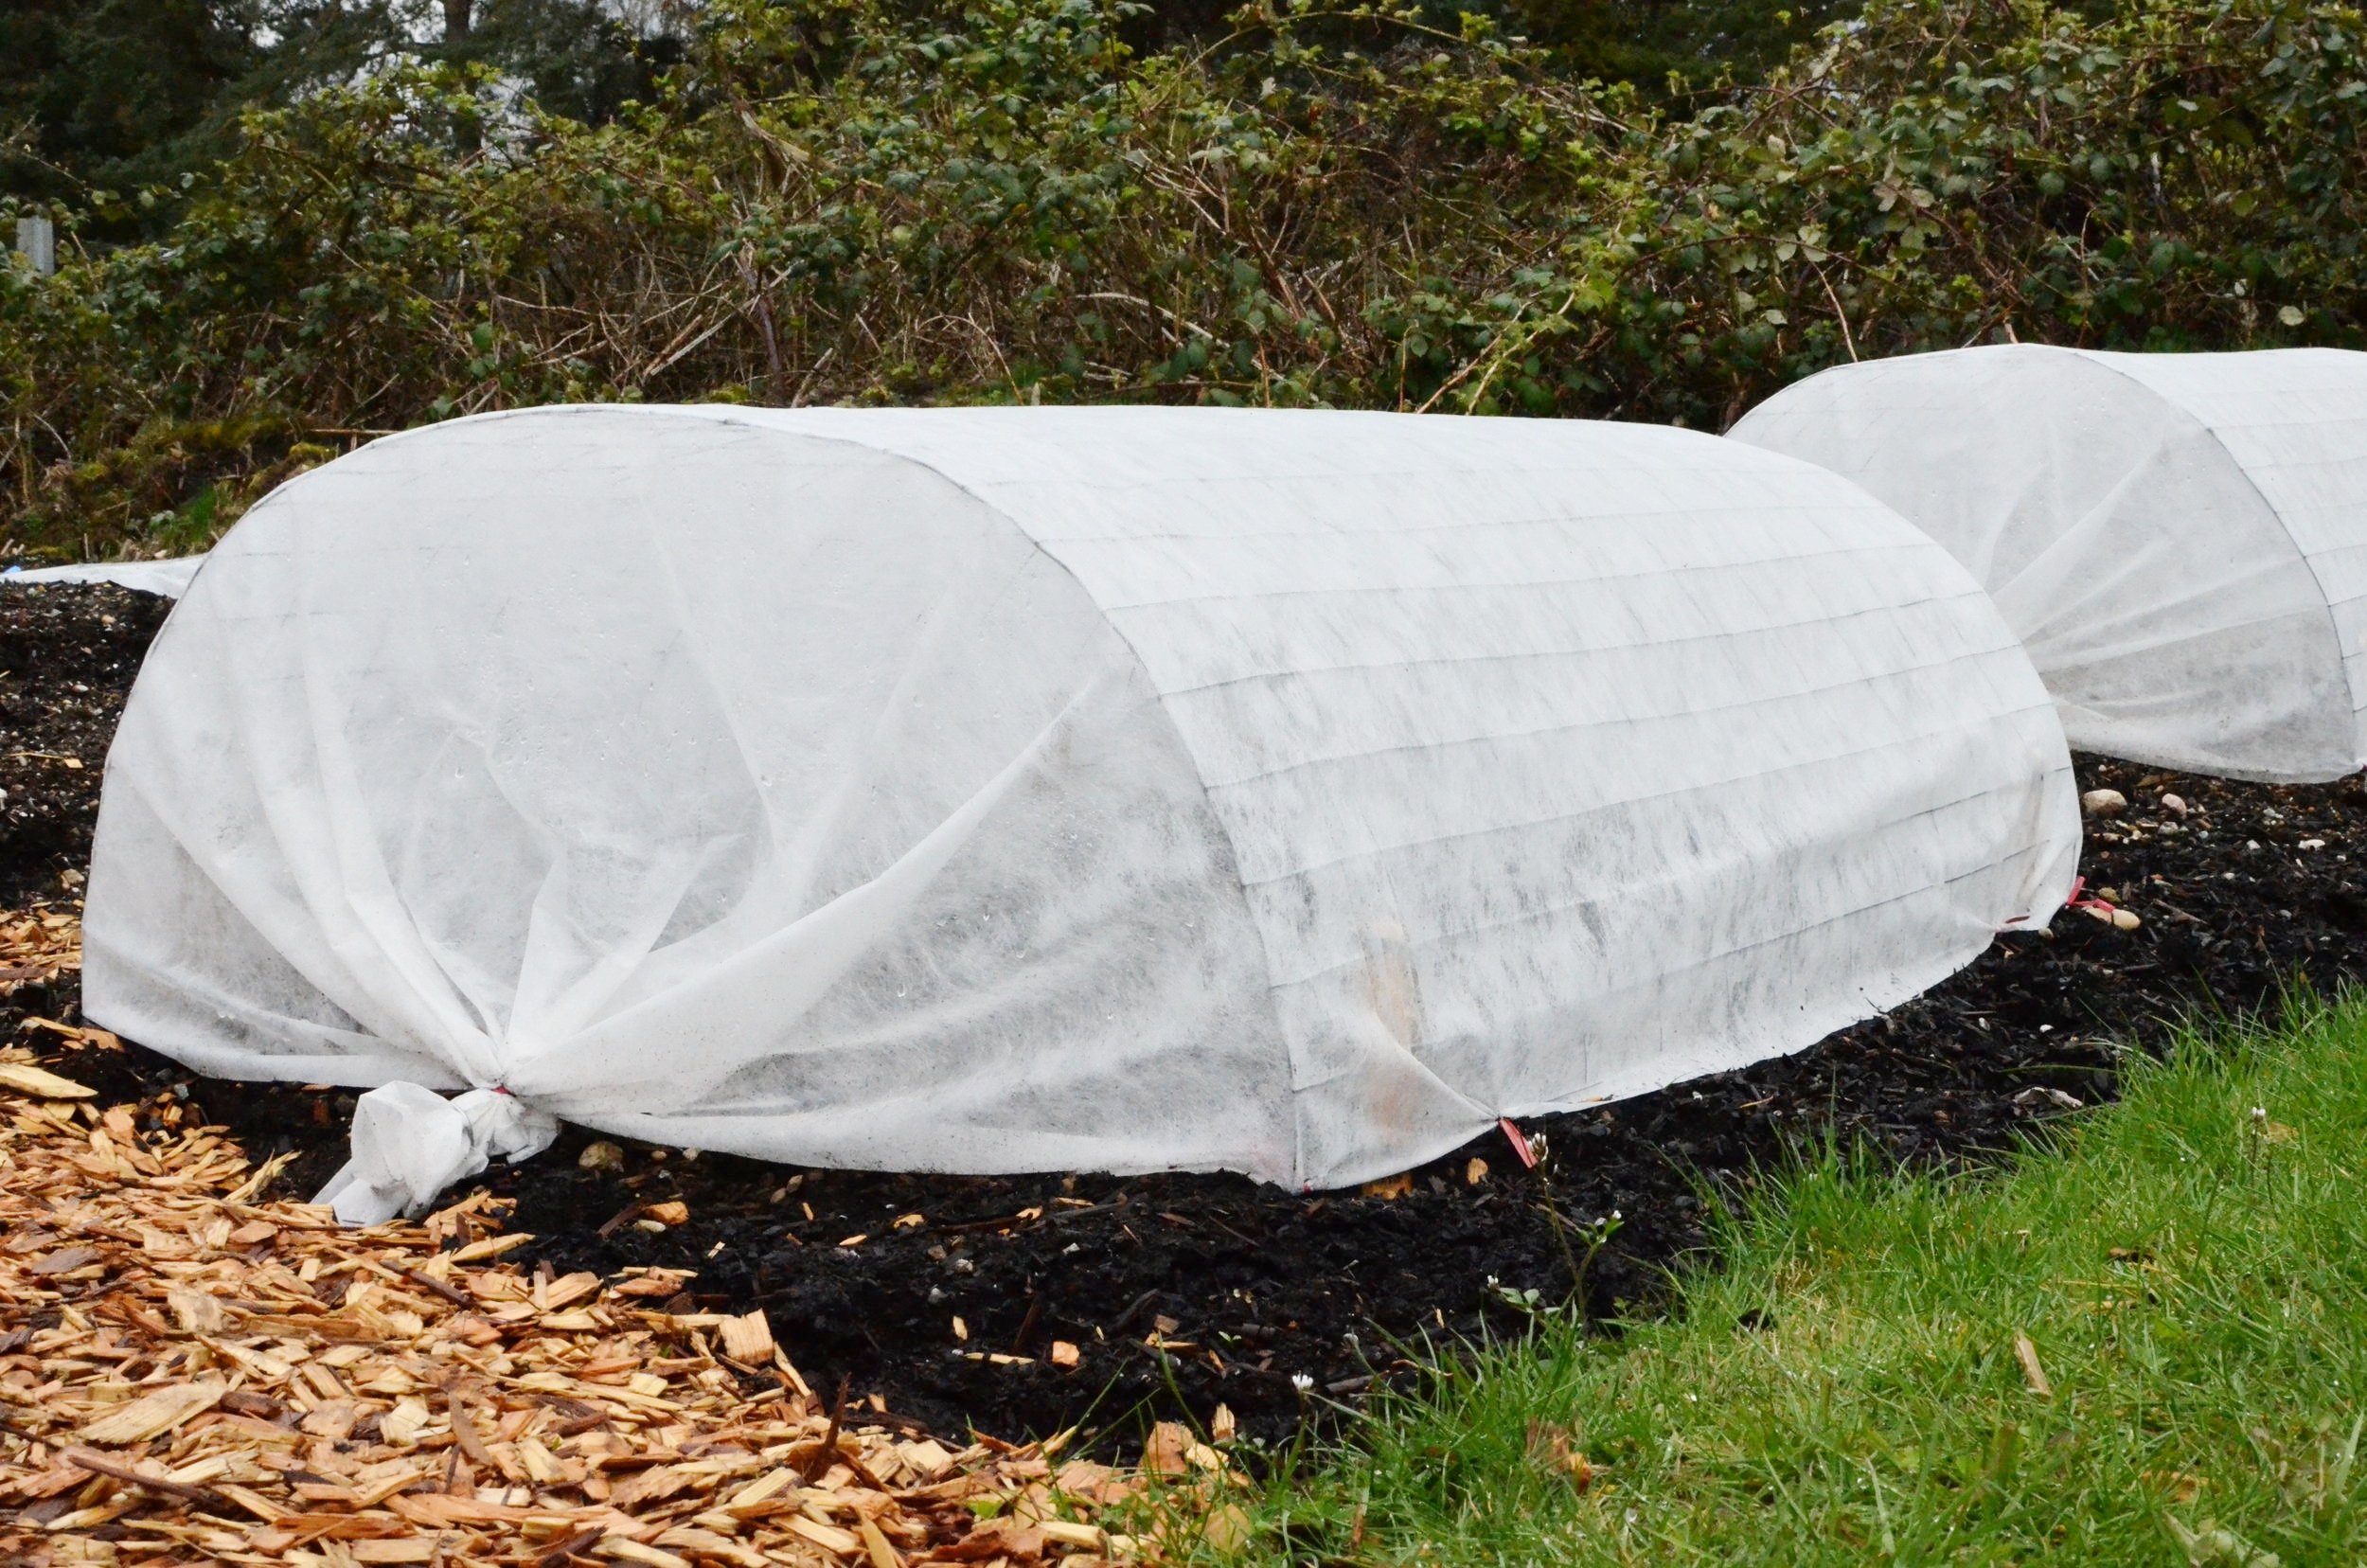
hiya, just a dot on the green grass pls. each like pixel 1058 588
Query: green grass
pixel 2189 1266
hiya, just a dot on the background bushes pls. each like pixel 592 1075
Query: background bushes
pixel 1033 200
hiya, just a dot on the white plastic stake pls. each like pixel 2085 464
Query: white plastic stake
pixel 38 238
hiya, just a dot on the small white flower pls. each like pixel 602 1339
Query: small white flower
pixel 1301 1381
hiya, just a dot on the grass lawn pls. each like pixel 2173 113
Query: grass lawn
pixel 2146 1346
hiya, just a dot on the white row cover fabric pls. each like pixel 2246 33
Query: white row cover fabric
pixel 167 578
pixel 1103 789
pixel 2180 539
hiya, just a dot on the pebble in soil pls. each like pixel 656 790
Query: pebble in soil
pixel 1193 1291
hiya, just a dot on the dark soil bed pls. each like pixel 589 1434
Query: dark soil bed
pixel 1196 1291
pixel 67 656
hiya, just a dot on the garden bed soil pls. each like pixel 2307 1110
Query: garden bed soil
pixel 948 1294
pixel 67 656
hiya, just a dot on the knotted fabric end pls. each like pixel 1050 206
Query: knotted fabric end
pixel 409 1144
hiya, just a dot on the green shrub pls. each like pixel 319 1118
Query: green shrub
pixel 846 201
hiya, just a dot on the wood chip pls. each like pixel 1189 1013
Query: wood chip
pixel 620 1549
pixel 1228 1530
pixel 747 1339
pixel 2032 1373
pixel 28 1080
pixel 156 1413
pixel 876 1545
pixel 492 1246
pixel 829 1536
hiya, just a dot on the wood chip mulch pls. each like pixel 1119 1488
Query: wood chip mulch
pixel 189 1373
pixel 37 946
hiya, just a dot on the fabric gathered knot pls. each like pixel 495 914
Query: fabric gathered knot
pixel 410 1143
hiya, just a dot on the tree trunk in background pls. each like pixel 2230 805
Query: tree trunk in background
pixel 460 20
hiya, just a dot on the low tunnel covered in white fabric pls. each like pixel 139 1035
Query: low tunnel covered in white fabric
pixel 1113 788
pixel 2180 539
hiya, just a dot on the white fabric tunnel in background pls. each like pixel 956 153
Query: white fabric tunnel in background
pixel 2180 539
pixel 1021 789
